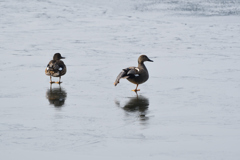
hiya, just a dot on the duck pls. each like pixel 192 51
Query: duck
pixel 135 75
pixel 56 68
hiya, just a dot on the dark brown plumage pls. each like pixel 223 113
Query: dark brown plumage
pixel 136 75
pixel 56 68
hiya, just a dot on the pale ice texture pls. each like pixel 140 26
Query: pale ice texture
pixel 189 109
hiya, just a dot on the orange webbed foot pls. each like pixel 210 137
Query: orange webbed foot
pixel 58 82
pixel 136 90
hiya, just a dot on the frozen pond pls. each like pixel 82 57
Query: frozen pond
pixel 188 109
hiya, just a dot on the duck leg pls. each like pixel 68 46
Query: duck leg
pixel 51 80
pixel 59 80
pixel 135 90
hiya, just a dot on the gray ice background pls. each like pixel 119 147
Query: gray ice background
pixel 189 109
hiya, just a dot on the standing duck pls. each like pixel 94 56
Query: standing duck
pixel 136 75
pixel 56 68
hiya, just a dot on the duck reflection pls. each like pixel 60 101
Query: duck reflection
pixel 56 96
pixel 138 104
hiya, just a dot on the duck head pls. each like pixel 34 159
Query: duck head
pixel 57 56
pixel 143 58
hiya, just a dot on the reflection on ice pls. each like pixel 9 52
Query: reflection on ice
pixel 138 104
pixel 56 96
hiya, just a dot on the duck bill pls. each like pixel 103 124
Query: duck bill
pixel 150 60
pixel 62 57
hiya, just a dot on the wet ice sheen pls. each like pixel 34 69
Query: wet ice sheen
pixel 188 109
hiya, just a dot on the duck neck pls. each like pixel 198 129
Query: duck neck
pixel 141 65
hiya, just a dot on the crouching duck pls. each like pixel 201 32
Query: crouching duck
pixel 56 68
pixel 136 75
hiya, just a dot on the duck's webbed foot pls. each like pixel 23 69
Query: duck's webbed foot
pixel 51 80
pixel 59 82
pixel 136 90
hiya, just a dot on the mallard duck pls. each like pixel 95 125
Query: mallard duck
pixel 56 68
pixel 136 75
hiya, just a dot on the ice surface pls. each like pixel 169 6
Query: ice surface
pixel 188 109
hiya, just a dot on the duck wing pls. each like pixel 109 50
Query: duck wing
pixel 129 72
pixel 55 66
